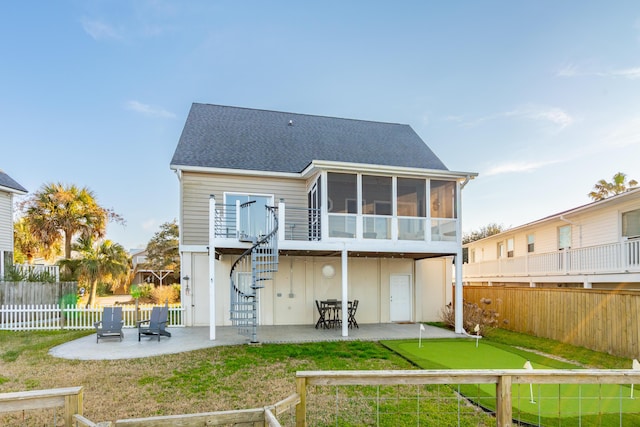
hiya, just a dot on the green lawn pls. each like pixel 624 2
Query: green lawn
pixel 555 404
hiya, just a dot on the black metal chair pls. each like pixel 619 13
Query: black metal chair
pixel 322 312
pixel 353 307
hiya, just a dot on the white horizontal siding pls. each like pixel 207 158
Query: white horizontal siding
pixel 198 187
pixel 597 226
pixel 6 222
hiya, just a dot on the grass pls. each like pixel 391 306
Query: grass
pixel 233 377
pixel 212 379
pixel 573 404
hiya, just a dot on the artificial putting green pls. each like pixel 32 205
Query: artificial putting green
pixel 553 404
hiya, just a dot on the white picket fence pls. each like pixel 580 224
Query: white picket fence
pixel 52 316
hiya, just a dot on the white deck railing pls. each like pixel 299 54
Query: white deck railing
pixel 602 259
pixel 305 224
pixel 52 316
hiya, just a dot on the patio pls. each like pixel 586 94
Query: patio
pixel 195 338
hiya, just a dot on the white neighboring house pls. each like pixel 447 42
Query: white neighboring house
pixel 592 246
pixel 8 188
pixel 279 210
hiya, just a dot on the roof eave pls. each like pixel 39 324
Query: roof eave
pixel 385 169
pixel 560 215
pixel 13 190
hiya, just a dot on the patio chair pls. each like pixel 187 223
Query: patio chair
pixel 353 307
pixel 110 325
pixel 156 324
pixel 322 322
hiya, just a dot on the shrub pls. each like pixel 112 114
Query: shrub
pixel 169 293
pixel 472 315
pixel 140 291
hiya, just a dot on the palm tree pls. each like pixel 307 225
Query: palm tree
pixel 105 262
pixel 27 246
pixel 59 213
pixel 603 189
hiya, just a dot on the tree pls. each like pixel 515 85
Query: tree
pixel 27 246
pixel 58 213
pixel 163 249
pixel 482 232
pixel 603 189
pixel 105 262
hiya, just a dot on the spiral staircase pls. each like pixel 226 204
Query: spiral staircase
pixel 251 270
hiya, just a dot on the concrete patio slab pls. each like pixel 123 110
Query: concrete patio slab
pixel 195 338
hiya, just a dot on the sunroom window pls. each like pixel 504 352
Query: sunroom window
pixel 443 210
pixel 342 201
pixel 377 206
pixel 412 208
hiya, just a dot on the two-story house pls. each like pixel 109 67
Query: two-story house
pixel 279 210
pixel 8 189
pixel 592 246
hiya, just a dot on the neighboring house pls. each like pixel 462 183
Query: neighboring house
pixel 279 210
pixel 8 188
pixel 143 274
pixel 592 246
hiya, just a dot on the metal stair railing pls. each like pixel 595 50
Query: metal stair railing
pixel 248 274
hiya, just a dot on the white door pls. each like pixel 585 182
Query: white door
pixel 200 290
pixel 400 307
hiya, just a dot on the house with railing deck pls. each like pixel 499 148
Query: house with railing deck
pixel 279 210
pixel 8 189
pixel 596 245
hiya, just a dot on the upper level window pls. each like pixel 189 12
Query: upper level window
pixel 342 193
pixel 564 237
pixel 530 243
pixel 443 199
pixel 631 224
pixel 376 195
pixel 510 248
pixel 411 197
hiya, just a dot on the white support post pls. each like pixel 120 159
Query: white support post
pixel 345 293
pixel 281 219
pixel 459 327
pixel 212 271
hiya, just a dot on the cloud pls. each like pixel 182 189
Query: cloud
pixel 626 135
pixel 553 115
pixel 629 73
pixel 517 167
pixel 149 110
pixel 100 31
pixel 569 70
pixel 572 70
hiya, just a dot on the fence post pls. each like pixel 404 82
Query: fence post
pixel 72 406
pixel 503 401
pixel 301 408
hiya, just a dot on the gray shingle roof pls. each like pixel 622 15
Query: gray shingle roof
pixel 241 138
pixel 8 182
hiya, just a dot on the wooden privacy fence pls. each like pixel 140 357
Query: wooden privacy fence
pixel 35 292
pixel 53 316
pixel 601 320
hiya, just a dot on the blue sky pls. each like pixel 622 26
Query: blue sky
pixel 541 98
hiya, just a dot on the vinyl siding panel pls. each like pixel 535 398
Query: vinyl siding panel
pixel 597 226
pixel 197 188
pixel 6 222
